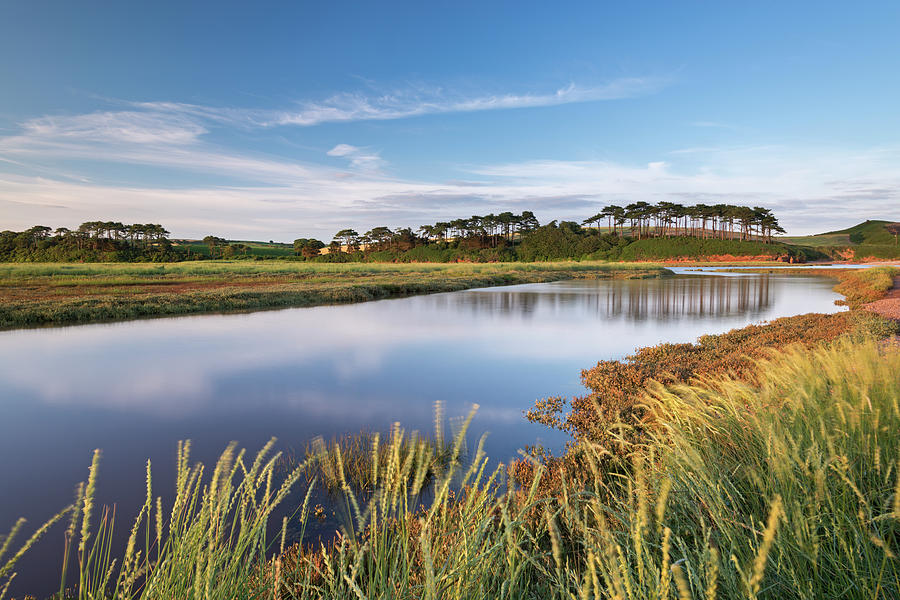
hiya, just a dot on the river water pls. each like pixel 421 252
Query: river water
pixel 134 389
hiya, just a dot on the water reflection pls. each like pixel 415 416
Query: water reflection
pixel 695 298
pixel 136 388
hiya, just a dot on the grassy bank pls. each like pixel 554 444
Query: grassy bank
pixel 866 285
pixel 614 414
pixel 784 487
pixel 58 294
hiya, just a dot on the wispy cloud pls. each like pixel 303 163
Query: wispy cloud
pixel 413 103
pixel 130 127
pixel 42 178
pixel 177 123
pixel 360 158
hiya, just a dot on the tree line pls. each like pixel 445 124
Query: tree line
pixel 503 236
pixel 668 219
pixel 91 233
pixel 639 220
pixel 110 240
pixel 490 231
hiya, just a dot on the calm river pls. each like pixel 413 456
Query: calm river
pixel 134 389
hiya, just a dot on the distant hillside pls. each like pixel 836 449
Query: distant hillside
pixel 869 239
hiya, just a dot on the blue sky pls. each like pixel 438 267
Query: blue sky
pixel 277 120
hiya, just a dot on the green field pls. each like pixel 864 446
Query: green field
pixel 263 249
pixel 822 239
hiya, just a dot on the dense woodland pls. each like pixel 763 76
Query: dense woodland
pixel 638 231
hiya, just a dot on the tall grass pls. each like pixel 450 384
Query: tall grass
pixel 786 487
pixel 207 543
pixel 357 459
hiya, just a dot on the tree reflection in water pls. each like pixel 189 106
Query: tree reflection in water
pixel 682 298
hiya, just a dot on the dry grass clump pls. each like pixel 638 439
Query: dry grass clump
pixel 349 459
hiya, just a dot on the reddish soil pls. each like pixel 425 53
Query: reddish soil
pixel 721 258
pixel 889 306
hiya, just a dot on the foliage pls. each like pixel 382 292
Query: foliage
pixel 93 241
pixel 566 240
pixel 308 247
pixel 614 415
pixel 692 248
pixel 481 238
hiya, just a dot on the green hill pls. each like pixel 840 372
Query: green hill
pixel 865 240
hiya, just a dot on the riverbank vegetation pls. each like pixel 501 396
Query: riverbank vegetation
pixel 614 415
pixel 57 294
pixel 786 486
pixel 865 285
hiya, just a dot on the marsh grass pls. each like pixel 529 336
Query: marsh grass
pixel 33 295
pixel 222 267
pixel 784 487
pixel 865 285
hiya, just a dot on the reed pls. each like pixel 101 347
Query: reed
pixel 786 486
pixel 792 480
pixel 357 459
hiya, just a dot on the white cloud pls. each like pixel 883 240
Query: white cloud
pixel 811 189
pixel 810 192
pixel 361 158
